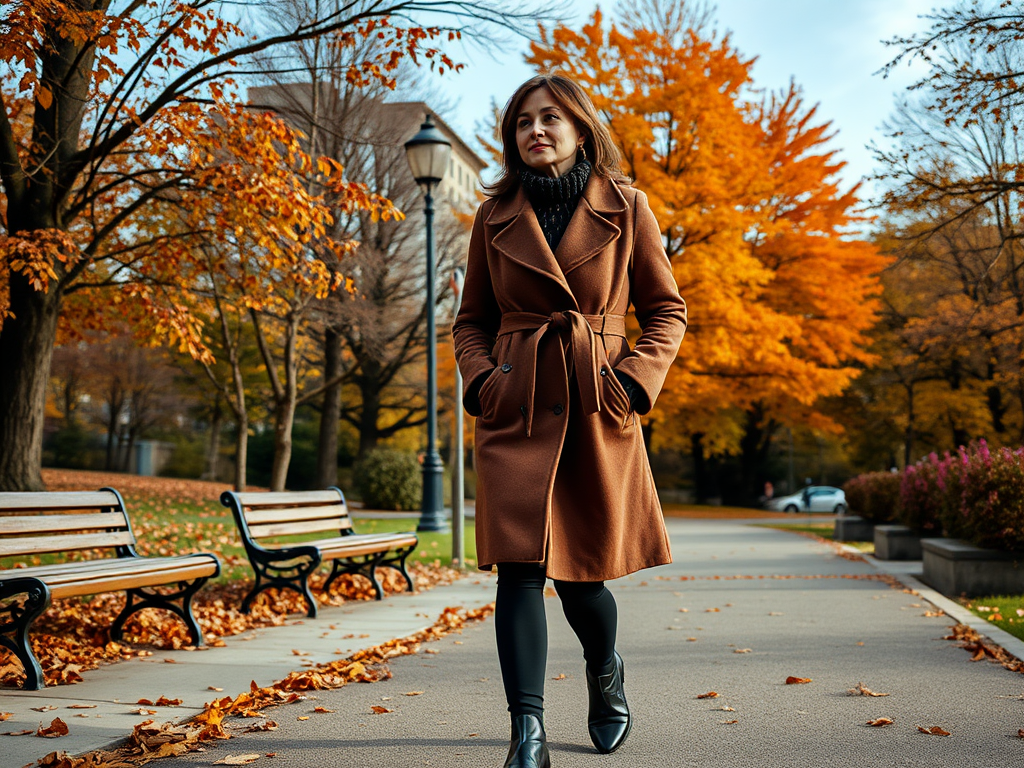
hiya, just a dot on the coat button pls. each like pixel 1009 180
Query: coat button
pixel 604 371
pixel 506 368
pixel 557 410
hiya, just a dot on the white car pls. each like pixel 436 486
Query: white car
pixel 813 498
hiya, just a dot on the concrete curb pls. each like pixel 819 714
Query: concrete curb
pixel 1000 637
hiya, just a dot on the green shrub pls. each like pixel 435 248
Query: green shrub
pixel 187 460
pixel 874 496
pixel 71 447
pixel 388 479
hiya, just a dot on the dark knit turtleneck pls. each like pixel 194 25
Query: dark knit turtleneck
pixel 555 199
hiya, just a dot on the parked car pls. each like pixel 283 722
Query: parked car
pixel 813 498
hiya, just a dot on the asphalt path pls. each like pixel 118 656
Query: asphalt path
pixel 742 609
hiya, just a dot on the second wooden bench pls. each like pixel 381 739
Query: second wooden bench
pixel 264 518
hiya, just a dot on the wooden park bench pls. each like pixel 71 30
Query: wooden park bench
pixel 264 518
pixel 65 522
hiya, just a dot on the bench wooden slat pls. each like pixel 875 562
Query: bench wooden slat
pixel 270 530
pixel 14 502
pixel 62 522
pixel 256 499
pixel 83 569
pixel 359 544
pixel 120 581
pixel 33 545
pixel 296 514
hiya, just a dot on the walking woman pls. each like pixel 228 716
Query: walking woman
pixel 560 250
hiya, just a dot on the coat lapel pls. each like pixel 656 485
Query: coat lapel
pixel 522 240
pixel 590 231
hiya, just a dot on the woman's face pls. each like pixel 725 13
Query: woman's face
pixel 546 134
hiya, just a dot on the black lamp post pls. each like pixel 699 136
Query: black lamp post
pixel 428 152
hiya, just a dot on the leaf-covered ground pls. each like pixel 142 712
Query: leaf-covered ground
pixel 171 517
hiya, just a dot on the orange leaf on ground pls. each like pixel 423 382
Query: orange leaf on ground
pixel 46 708
pixel 322 710
pixel 379 710
pixel 933 730
pixel 163 701
pixel 57 728
pixel 797 680
pixel 5 716
pixel 708 695
pixel 81 706
pixel 414 693
pixel 729 722
pixel 863 690
pixel 19 733
pixel 743 650
pixel 237 760
pixel 880 722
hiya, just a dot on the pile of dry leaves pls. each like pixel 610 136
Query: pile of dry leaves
pixel 151 740
pixel 72 635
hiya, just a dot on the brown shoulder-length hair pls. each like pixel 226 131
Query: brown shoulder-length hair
pixel 598 144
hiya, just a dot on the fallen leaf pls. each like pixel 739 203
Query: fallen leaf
pixel 863 690
pixel 684 610
pixel 81 706
pixel 708 695
pixel 727 708
pixel 6 716
pixel 266 725
pixel 560 676
pixel 414 693
pixel 431 650
pixel 880 722
pixel 57 728
pixel 170 661
pixel 934 731
pixel 145 702
pixel 711 610
pixel 214 688
pixel 797 680
pixel 19 733
pixel 379 710
pixel 729 722
pixel 322 710
pixel 303 717
pixel 143 711
pixel 1020 733
pixel 46 708
pixel 775 613
pixel 237 760
pixel 163 701
pixel 691 639
pixel 299 653
pixel 742 650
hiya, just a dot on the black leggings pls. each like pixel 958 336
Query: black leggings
pixel 522 630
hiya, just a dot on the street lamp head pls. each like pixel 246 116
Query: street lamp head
pixel 428 152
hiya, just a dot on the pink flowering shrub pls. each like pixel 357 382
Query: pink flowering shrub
pixel 874 496
pixel 922 496
pixel 987 497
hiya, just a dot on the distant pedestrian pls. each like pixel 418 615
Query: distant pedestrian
pixel 560 249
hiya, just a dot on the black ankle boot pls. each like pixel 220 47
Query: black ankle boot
pixel 529 747
pixel 609 720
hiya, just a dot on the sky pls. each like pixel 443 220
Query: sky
pixel 830 48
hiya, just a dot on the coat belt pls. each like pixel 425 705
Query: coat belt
pixel 581 330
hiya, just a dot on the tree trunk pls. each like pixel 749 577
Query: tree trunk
pixel 241 451
pixel 330 414
pixel 26 349
pixel 213 444
pixel 368 433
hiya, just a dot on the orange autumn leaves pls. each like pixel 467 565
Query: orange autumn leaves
pixel 781 291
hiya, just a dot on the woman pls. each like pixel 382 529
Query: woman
pixel 559 251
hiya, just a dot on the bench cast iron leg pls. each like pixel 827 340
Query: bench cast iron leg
pixel 398 563
pixel 294 576
pixel 147 598
pixel 15 625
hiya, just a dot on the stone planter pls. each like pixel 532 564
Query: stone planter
pixel 956 568
pixel 853 528
pixel 897 542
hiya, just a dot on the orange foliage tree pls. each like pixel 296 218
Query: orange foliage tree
pixel 109 109
pixel 781 291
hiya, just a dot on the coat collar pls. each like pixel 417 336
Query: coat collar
pixel 588 233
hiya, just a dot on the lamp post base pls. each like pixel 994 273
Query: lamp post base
pixel 432 516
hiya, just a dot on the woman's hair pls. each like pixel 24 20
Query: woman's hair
pixel 598 144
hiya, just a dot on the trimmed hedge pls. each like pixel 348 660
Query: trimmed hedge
pixel 388 479
pixel 874 496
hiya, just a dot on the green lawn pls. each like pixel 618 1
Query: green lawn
pixel 824 530
pixel 1004 611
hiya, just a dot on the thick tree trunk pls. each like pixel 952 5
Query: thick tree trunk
pixel 330 414
pixel 26 349
pixel 368 431
pixel 241 451
pixel 284 418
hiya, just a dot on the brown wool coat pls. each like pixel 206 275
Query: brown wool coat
pixel 562 473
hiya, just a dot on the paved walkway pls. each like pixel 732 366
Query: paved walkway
pixel 682 627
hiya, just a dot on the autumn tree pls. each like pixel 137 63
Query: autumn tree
pixel 91 139
pixel 762 240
